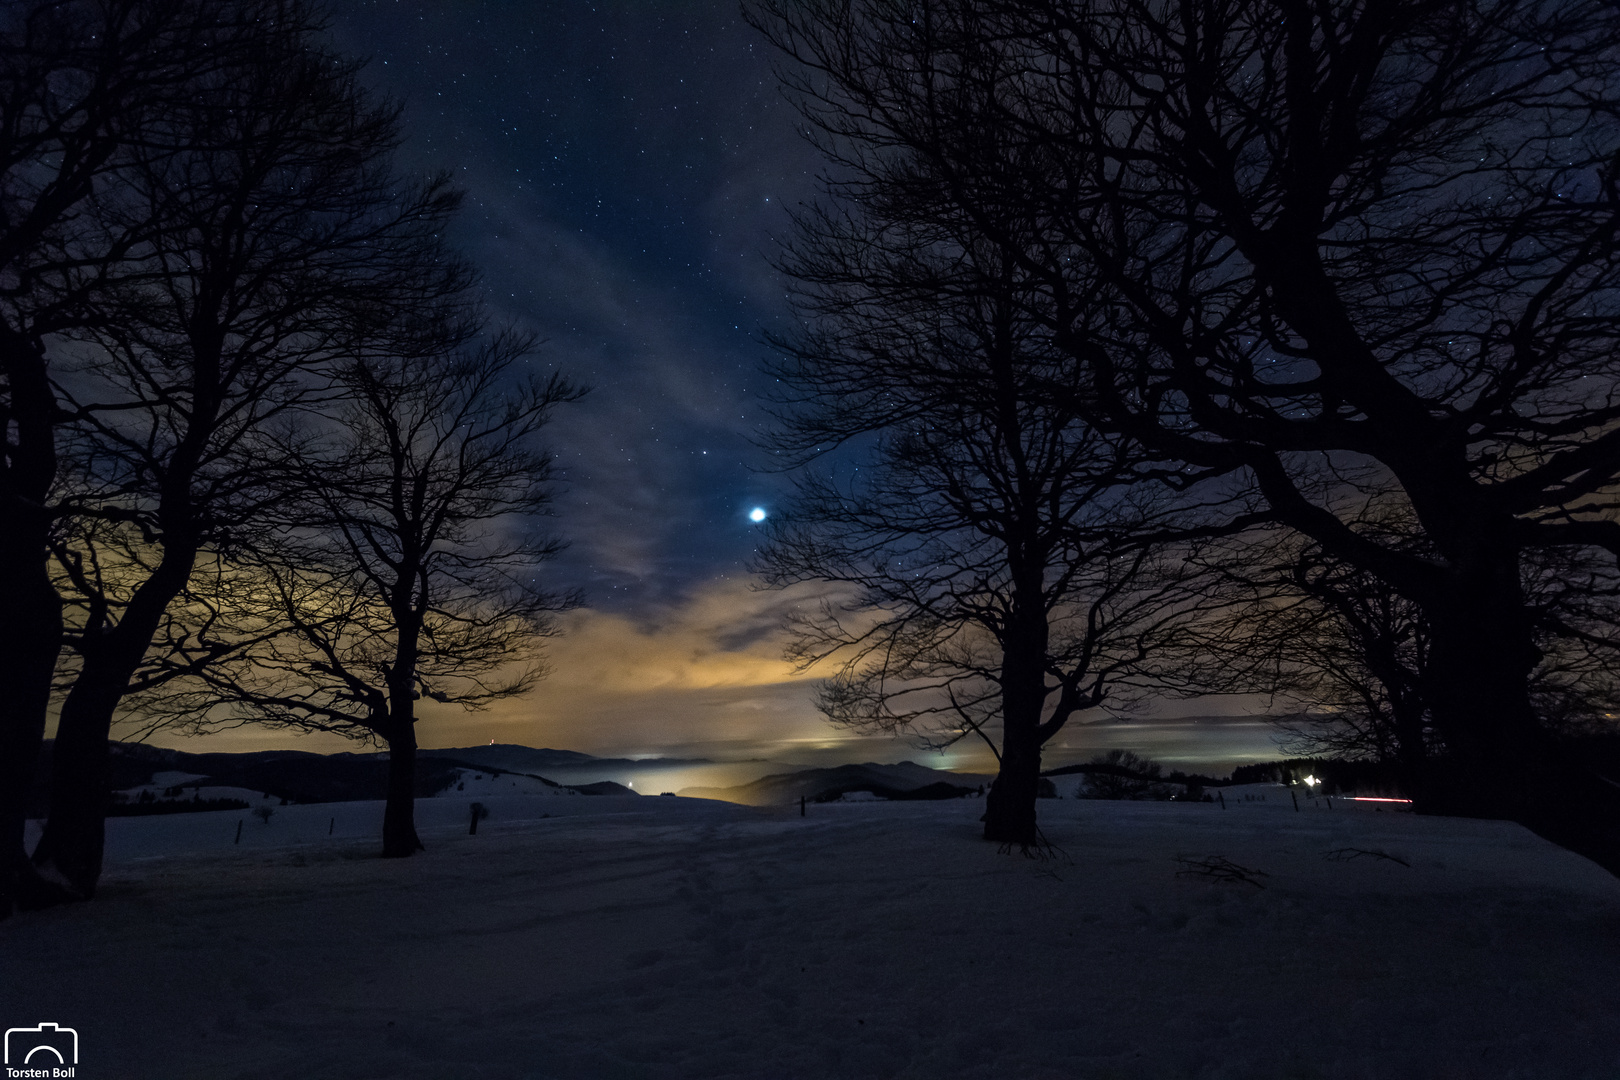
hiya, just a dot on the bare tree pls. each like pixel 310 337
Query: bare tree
pixel 83 83
pixel 1371 236
pixel 1124 774
pixel 403 566
pixel 278 236
pixel 1006 566
pixel 1342 652
pixel 1353 654
pixel 1383 235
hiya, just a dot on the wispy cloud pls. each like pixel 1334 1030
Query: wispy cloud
pixel 707 669
pixel 701 676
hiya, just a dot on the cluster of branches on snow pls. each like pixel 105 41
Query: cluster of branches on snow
pixel 264 457
pixel 1305 312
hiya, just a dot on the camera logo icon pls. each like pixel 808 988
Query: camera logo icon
pixel 43 1044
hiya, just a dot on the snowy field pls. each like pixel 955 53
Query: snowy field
pixel 660 937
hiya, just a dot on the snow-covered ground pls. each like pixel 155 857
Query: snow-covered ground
pixel 661 937
pixel 165 782
pixel 474 784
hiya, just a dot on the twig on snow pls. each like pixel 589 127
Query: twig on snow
pixel 1219 868
pixel 1345 854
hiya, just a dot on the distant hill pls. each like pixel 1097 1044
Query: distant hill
pixel 300 776
pixel 510 757
pixel 902 780
pixel 527 759
pixel 606 787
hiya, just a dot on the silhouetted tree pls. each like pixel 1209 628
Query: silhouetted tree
pixel 1383 235
pixel 1358 656
pixel 83 83
pixel 1005 564
pixel 1353 654
pixel 273 236
pixel 1124 774
pixel 1366 236
pixel 402 564
pixel 1338 649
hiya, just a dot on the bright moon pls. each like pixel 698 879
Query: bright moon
pixel 756 514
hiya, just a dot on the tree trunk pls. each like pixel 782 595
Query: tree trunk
pixel 1568 804
pixel 399 815
pixel 1481 655
pixel 70 852
pixel 30 638
pixel 1009 809
pixel 30 609
pixel 1500 761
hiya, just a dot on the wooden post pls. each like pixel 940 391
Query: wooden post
pixel 238 839
pixel 801 806
pixel 331 826
pixel 1221 795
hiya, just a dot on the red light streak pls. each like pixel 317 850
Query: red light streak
pixel 1372 798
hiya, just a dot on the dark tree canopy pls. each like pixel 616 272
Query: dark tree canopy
pixel 1291 243
pixel 254 233
pixel 89 90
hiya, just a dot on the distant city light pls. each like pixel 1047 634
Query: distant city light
pixel 757 514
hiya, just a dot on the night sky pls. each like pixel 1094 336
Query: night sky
pixel 624 167
pixel 628 168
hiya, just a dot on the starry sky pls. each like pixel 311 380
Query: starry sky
pixel 624 165
pixel 628 166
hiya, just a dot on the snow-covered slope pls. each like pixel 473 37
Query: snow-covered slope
pixel 172 786
pixel 481 783
pixel 665 938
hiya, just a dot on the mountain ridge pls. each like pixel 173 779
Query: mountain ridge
pixel 299 776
